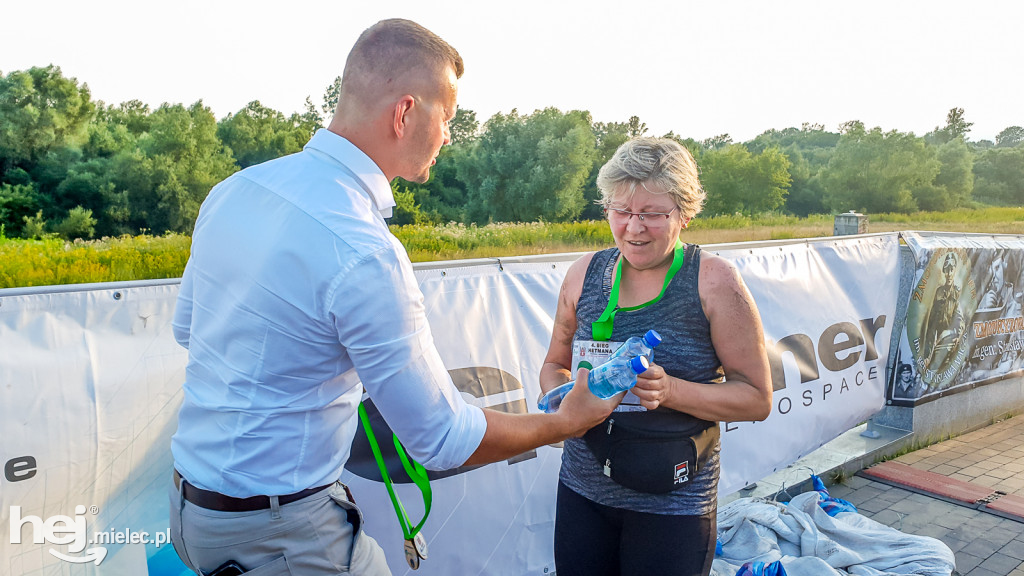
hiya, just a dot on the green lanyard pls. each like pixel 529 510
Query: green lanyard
pixel 603 327
pixel 414 469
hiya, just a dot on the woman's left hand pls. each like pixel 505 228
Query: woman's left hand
pixel 653 387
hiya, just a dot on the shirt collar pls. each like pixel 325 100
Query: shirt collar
pixel 362 167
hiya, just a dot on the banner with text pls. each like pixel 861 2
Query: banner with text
pixel 964 319
pixel 92 383
pixel 827 307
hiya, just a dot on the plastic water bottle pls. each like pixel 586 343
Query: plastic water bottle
pixel 639 346
pixel 612 377
pixel 607 380
pixel 553 399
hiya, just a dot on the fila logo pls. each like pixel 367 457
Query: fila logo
pixel 682 472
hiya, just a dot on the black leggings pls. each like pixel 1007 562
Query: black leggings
pixel 596 540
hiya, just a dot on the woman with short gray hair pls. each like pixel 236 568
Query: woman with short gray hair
pixel 637 494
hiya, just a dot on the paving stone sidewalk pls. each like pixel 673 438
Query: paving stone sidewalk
pixel 985 543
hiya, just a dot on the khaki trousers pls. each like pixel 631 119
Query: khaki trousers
pixel 318 535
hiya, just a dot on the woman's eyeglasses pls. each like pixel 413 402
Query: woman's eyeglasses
pixel 649 218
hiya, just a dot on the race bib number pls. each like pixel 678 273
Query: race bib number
pixel 590 353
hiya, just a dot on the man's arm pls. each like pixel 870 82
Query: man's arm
pixel 181 324
pixel 378 312
pixel 511 434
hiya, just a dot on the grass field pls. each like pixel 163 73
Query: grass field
pixel 53 261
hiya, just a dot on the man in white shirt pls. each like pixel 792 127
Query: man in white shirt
pixel 296 297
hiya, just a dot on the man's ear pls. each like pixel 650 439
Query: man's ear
pixel 400 120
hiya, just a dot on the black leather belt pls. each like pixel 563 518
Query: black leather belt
pixel 221 503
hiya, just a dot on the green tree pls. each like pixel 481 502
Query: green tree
pixel 116 128
pixel 52 169
pixel 442 198
pixel 717 142
pixel 809 150
pixel 256 134
pixel 79 223
pixel 875 171
pixel 406 210
pixel 40 110
pixel 172 168
pixel 86 184
pixel 809 137
pixel 529 168
pixel 999 176
pixel 331 95
pixel 1010 137
pixel 956 127
pixel 18 202
pixel 738 181
pixel 35 226
pixel 806 193
pixel 309 119
pixel 953 184
pixel 464 126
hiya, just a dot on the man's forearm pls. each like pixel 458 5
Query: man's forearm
pixel 511 434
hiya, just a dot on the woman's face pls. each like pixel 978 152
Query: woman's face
pixel 650 242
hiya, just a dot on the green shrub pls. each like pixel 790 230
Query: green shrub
pixel 53 261
pixel 49 260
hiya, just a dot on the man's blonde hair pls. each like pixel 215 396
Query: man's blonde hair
pixel 392 51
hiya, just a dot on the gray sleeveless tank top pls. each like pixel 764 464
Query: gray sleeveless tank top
pixel 685 352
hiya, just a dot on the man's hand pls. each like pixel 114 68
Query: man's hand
pixel 511 434
pixel 581 410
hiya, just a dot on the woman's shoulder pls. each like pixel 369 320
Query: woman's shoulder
pixel 580 267
pixel 714 267
pixel 719 278
pixel 572 285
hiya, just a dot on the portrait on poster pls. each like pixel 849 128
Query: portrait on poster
pixel 943 300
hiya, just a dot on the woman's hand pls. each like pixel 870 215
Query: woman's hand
pixel 653 387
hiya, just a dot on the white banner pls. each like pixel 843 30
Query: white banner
pixel 827 307
pixel 91 385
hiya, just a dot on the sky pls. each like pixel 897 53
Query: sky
pixel 698 69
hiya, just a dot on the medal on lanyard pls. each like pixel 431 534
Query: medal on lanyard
pixel 415 543
pixel 603 327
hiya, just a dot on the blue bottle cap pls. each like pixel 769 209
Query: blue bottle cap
pixel 639 364
pixel 652 338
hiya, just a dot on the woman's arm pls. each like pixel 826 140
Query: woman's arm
pixel 738 339
pixel 555 370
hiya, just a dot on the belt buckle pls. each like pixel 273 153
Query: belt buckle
pixel 415 550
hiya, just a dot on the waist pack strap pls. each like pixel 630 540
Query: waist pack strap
pixel 601 438
pixel 653 424
pixel 652 459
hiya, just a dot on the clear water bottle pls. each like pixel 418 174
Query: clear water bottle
pixel 616 375
pixel 639 346
pixel 607 380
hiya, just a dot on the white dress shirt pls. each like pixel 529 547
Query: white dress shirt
pixel 295 297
